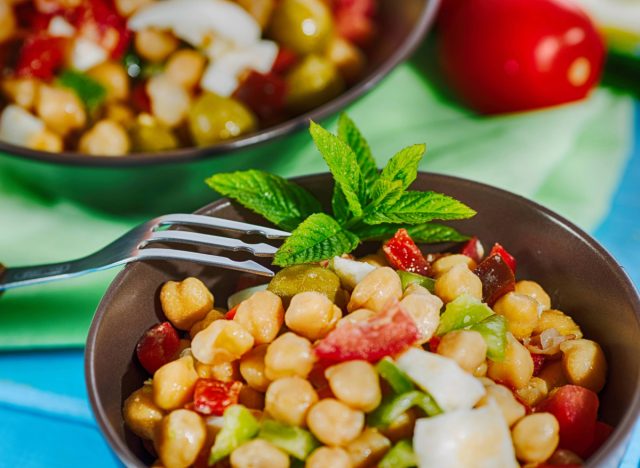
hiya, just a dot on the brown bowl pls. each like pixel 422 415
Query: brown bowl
pixel 579 275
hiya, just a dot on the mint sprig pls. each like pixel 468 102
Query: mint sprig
pixel 367 204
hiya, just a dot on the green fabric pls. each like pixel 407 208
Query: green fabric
pixel 554 156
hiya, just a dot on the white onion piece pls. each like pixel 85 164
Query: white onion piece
pixel 244 294
pixel 87 54
pixel 548 342
pixel 60 27
pixel 350 272
pixel 18 126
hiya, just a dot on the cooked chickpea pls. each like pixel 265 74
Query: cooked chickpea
pixel 553 375
pixel 46 140
pixel 534 392
pixel 208 319
pixel 260 10
pixel 105 138
pixel 368 448
pixel 347 58
pixel 481 370
pixel 173 383
pixel 259 453
pixel 224 372
pixel 7 21
pixel 535 437
pixel 251 398
pixel 466 347
pixel 288 400
pixel 376 260
pixel 360 315
pixel 334 423
pixel 60 109
pixel 185 68
pixel 445 263
pixel 584 364
pixel 288 355
pixel 456 281
pixel 181 437
pixel 127 8
pixel 261 315
pixel 141 414
pixel 119 113
pixel 560 321
pixel 355 383
pixel 222 341
pixel 155 45
pixel 520 311
pixel 517 367
pixel 22 91
pixel 312 315
pixel 534 291
pixel 252 368
pixel 511 409
pixel 425 310
pixel 114 78
pixel 186 302
pixel 376 290
pixel 325 457
pixel 169 101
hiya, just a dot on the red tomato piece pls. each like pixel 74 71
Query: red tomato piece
pixel 263 93
pixel 403 254
pixel 601 433
pixel 356 7
pixel 232 313
pixel 158 346
pixel 41 56
pixel 139 97
pixel 538 362
pixel 497 278
pixel 98 21
pixel 434 342
pixel 284 61
pixel 473 249
pixel 386 334
pixel 212 397
pixel 357 29
pixel 513 55
pixel 506 256
pixel 576 409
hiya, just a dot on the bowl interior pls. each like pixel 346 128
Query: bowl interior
pixel 581 278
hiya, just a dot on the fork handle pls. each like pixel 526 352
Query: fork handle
pixel 29 275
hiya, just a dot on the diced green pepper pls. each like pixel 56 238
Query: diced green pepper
pixel 401 455
pixel 463 312
pixel 295 441
pixel 90 92
pixel 494 331
pixel 396 378
pixel 408 278
pixel 239 426
pixel 392 408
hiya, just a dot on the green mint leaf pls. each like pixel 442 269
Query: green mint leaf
pixel 339 205
pixel 403 166
pixel 283 203
pixel 318 238
pixel 343 164
pixel 90 92
pixel 350 134
pixel 426 233
pixel 385 192
pixel 418 208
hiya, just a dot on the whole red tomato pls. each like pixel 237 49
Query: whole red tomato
pixel 513 55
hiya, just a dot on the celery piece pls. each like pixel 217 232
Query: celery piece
pixel 239 426
pixel 494 331
pixel 396 378
pixel 401 455
pixel 463 312
pixel 293 440
pixel 392 408
pixel 408 278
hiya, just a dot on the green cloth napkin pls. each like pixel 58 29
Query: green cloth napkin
pixel 569 158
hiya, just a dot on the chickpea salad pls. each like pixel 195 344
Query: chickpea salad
pixel 113 77
pixel 394 359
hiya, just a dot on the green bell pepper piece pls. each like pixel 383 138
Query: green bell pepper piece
pixel 239 426
pixel 401 455
pixel 408 278
pixel 392 408
pixel 395 377
pixel 90 92
pixel 295 441
pixel 463 312
pixel 494 331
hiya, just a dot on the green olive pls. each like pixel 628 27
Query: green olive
pixel 149 135
pixel 214 118
pixel 312 82
pixel 301 278
pixel 304 26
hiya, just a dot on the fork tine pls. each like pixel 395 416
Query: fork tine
pixel 248 266
pixel 259 250
pixel 225 224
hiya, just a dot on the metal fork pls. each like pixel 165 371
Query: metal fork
pixel 132 247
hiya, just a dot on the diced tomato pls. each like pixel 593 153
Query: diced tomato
pixel 263 93
pixel 506 256
pixel 31 19
pixel 354 20
pixel 386 334
pixel 473 249
pixel 158 346
pixel 403 254
pixel 99 21
pixel 139 97
pixel 212 397
pixel 41 56
pixel 601 433
pixel 232 313
pixel 497 278
pixel 433 343
pixel 538 362
pixel 285 59
pixel 576 409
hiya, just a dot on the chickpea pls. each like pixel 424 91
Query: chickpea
pixel 534 392
pixel 377 260
pixel 170 102
pixel 186 302
pixel 262 315
pixel 456 281
pixel 466 347
pixel 584 364
pixel 517 368
pixel 224 372
pixel 425 310
pixel 60 109
pixel 222 341
pixel 8 22
pixel 511 409
pixel 535 437
pixel 252 368
pixel 208 319
pixel 46 140
pixel 481 370
pixel 288 400
pixel 334 423
pixel 127 8
pixel 141 414
pixel 376 290
pixel 312 315
pixel 185 68
pixel 360 315
pixel 534 291
pixel 560 321
pixel 259 453
pixel 402 427
pixel 347 58
pixel 368 448
pixel 22 91
pixel 119 113
pixel 260 10
pixel 553 375
pixel 154 45
pixel 114 78
pixel 251 398
pixel 325 457
pixel 415 288
pixel 355 383
pixel 287 356
pixel 106 138
pixel 520 311
pixel 181 437
pixel 445 263
pixel 173 383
